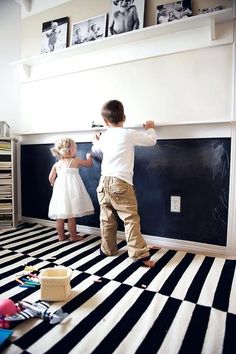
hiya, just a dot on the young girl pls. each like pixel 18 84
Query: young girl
pixel 69 198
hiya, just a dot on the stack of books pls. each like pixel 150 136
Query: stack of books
pixel 5 147
pixel 5 184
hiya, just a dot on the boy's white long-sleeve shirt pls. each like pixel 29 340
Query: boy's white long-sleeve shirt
pixel 117 146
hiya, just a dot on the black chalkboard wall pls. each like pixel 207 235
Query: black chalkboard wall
pixel 195 169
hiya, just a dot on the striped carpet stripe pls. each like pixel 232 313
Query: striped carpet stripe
pixel 229 338
pixel 222 293
pixel 126 323
pixel 186 304
pixel 194 336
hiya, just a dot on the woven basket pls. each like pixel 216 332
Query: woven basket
pixel 55 283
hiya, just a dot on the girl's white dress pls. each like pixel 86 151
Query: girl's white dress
pixel 69 197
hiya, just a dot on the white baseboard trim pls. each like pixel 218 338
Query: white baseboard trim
pixel 51 223
pixel 152 241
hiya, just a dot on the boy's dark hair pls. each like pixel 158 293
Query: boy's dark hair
pixel 113 111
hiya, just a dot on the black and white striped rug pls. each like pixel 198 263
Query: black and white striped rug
pixel 186 304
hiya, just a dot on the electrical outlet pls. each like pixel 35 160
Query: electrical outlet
pixel 175 203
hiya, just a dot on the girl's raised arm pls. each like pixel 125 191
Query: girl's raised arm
pixel 86 163
pixel 52 175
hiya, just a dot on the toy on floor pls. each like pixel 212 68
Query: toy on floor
pixel 29 268
pixel 29 271
pixel 25 310
pixel 40 309
pixel 7 308
pixel 55 283
pixel 4 335
pixel 28 282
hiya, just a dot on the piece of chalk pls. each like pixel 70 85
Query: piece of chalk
pixel 32 283
pixel 27 279
pixel 33 275
pixel 96 279
pixel 26 286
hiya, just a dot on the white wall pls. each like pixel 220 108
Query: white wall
pixel 10 44
pixel 188 86
pixel 192 85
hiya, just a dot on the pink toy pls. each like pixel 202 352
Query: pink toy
pixel 7 308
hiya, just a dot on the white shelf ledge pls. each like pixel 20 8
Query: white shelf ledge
pixel 165 130
pixel 135 41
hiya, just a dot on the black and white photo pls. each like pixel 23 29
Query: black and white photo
pixel 54 35
pixel 173 11
pixel 89 30
pixel 125 16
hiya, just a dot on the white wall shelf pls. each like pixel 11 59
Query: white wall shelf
pixel 166 130
pixel 130 46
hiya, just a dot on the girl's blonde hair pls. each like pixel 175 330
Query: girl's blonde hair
pixel 62 147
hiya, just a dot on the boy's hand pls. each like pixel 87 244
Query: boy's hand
pixel 149 124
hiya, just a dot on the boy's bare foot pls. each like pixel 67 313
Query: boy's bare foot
pixel 76 238
pixel 149 263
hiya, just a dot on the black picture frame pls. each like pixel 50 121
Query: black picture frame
pixel 54 35
pixel 173 11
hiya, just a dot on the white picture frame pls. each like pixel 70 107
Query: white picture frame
pixel 125 16
pixel 88 30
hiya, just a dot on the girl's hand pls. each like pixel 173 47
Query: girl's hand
pixel 89 156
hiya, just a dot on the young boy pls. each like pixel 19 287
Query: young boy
pixel 115 190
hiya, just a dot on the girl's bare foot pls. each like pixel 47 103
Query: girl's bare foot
pixel 149 263
pixel 64 238
pixel 76 238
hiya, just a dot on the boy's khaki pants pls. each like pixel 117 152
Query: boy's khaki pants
pixel 117 197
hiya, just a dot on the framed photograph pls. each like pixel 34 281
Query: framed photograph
pixel 125 16
pixel 54 35
pixel 89 30
pixel 173 11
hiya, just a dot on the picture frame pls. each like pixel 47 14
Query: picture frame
pixel 125 16
pixel 89 30
pixel 173 11
pixel 54 35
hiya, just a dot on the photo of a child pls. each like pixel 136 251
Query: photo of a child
pixel 54 35
pixel 125 16
pixel 89 30
pixel 173 11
